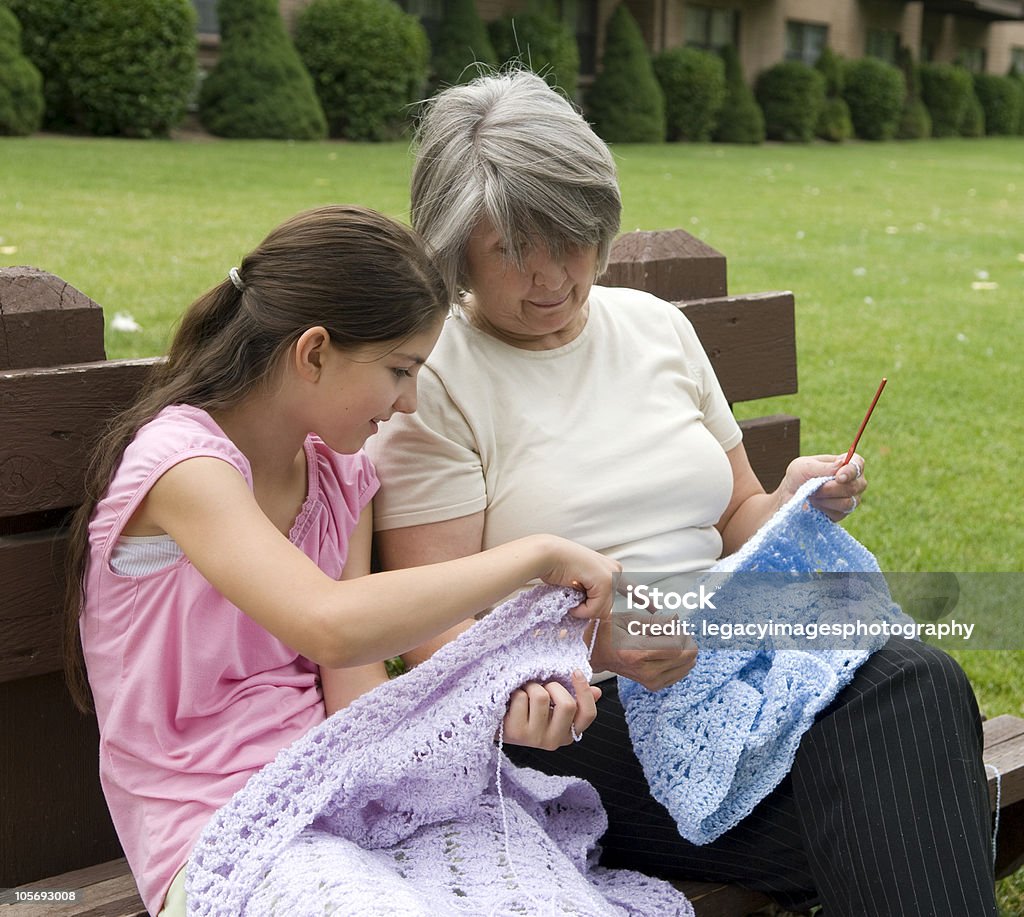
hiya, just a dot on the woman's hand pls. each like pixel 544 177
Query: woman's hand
pixel 585 570
pixel 838 498
pixel 547 716
pixel 660 662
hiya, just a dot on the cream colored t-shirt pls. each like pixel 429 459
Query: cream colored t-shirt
pixel 616 440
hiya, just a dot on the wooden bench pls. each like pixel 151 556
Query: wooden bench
pixel 57 390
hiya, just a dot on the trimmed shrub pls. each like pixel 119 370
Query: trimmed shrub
pixel 626 104
pixel 43 25
pixel 972 124
pixel 834 122
pixel 118 68
pixel 830 66
pixel 740 119
pixel 541 42
pixel 915 122
pixel 259 87
pixel 875 92
pixel 1002 101
pixel 462 41
pixel 694 85
pixel 1016 77
pixel 368 61
pixel 131 65
pixel 792 95
pixel 946 91
pixel 21 84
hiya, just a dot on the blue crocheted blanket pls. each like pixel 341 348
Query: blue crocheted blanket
pixel 716 743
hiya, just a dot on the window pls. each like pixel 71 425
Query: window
pixel 883 44
pixel 711 29
pixel 206 12
pixel 973 59
pixel 1017 60
pixel 581 18
pixel 805 41
pixel 429 12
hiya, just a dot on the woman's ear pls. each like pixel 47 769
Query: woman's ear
pixel 310 352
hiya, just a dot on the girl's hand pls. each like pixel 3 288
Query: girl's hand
pixel 838 498
pixel 545 716
pixel 591 573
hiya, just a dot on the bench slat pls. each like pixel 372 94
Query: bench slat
pixel 51 418
pixel 772 443
pixel 751 342
pixel 105 890
pixel 1004 749
pixel 713 899
pixel 30 603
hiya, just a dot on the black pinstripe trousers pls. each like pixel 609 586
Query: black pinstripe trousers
pixel 885 812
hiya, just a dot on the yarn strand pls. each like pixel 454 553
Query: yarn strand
pixel 501 793
pixel 999 802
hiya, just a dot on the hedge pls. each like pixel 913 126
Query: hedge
pixel 540 41
pixel 626 104
pixel 834 122
pixel 259 87
pixel 369 63
pixel 875 92
pixel 43 25
pixel 694 85
pixel 946 91
pixel 915 122
pixel 972 124
pixel 21 84
pixel 462 41
pixel 740 119
pixel 124 68
pixel 1002 100
pixel 792 95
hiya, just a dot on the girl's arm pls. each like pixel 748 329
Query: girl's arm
pixel 206 506
pixel 539 715
pixel 342 686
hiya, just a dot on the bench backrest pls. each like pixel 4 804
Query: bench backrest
pixel 57 391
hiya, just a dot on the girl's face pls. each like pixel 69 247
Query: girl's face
pixel 538 306
pixel 362 387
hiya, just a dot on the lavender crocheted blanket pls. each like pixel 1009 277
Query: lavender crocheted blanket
pixel 402 804
pixel 718 742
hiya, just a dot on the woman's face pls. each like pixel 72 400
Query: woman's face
pixel 539 306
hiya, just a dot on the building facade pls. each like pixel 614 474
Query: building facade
pixel 986 36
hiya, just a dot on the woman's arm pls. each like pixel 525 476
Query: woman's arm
pixel 342 686
pixel 206 506
pixel 433 543
pixel 750 507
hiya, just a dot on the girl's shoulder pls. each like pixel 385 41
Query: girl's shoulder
pixel 177 432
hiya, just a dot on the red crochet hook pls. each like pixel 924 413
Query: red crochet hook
pixel 864 422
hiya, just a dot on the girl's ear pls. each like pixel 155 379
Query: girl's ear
pixel 310 351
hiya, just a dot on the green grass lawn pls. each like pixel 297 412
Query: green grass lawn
pixel 907 261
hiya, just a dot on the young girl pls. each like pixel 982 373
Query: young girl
pixel 220 572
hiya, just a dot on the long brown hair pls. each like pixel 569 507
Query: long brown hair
pixel 359 274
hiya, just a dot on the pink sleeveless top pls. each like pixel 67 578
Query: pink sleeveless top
pixel 192 696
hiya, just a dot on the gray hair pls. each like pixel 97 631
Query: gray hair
pixel 510 148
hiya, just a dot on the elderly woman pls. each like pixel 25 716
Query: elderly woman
pixel 552 404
